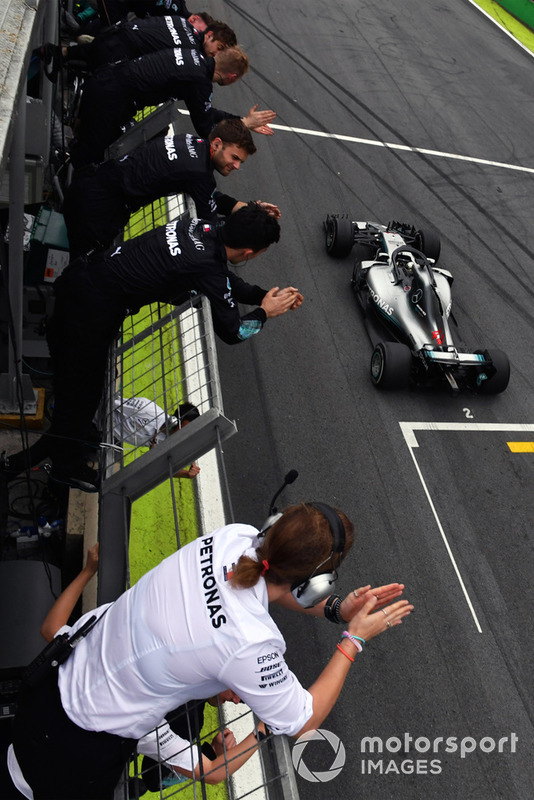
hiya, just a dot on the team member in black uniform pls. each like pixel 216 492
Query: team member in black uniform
pixel 139 37
pixel 114 93
pixel 100 199
pixel 115 10
pixel 93 298
pixel 157 7
pixel 131 39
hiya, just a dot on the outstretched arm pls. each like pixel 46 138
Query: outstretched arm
pixel 62 609
pixel 367 624
pixel 230 756
pixel 258 121
pixel 352 603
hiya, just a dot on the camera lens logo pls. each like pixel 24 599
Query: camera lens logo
pixel 320 735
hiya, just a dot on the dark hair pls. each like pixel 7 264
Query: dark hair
pixel 222 33
pixel 186 412
pixel 293 547
pixel 208 19
pixel 234 131
pixel 250 226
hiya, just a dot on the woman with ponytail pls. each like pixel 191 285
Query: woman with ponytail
pixel 194 626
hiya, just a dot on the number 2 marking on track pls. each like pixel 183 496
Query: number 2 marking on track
pixel 468 413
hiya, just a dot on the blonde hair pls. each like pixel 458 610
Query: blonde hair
pixel 232 61
pixel 293 547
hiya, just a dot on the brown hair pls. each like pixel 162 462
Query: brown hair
pixel 222 33
pixel 234 131
pixel 293 547
pixel 231 60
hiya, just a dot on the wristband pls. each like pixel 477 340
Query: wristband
pixel 344 653
pixel 356 640
pixel 208 751
pixel 260 735
pixel 331 609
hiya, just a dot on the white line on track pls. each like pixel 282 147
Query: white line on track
pixel 408 430
pixel 406 148
pixel 392 146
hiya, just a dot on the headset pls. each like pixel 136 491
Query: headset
pixel 317 587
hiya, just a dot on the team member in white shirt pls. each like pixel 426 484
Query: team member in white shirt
pixel 141 422
pixel 195 625
pixel 171 743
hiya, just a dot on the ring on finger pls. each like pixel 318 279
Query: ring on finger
pixel 355 593
pixel 384 612
pixel 388 623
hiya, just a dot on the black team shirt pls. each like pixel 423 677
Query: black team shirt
pixel 170 165
pixel 163 264
pixel 180 73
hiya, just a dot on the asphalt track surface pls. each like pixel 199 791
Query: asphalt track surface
pixel 447 509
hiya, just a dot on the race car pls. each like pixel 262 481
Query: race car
pixel 406 301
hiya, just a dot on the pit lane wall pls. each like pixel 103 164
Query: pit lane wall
pixel 522 10
pixel 17 22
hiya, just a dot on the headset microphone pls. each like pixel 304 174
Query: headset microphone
pixel 273 517
pixel 291 477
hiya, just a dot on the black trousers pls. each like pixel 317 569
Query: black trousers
pixel 94 209
pixel 60 760
pixel 108 47
pixel 83 326
pixel 105 107
pixel 111 11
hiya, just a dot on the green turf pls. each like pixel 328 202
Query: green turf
pixel 516 28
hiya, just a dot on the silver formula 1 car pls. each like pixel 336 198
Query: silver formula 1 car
pixel 407 301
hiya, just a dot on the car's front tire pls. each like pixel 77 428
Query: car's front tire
pixel 391 365
pixel 339 236
pixel 429 243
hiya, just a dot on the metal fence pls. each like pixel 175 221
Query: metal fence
pixel 263 779
pixel 179 363
pixel 190 749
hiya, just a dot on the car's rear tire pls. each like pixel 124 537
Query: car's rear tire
pixel 339 236
pixel 391 365
pixel 429 243
pixel 498 381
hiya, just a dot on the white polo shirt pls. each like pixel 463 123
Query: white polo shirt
pixel 137 420
pixel 182 632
